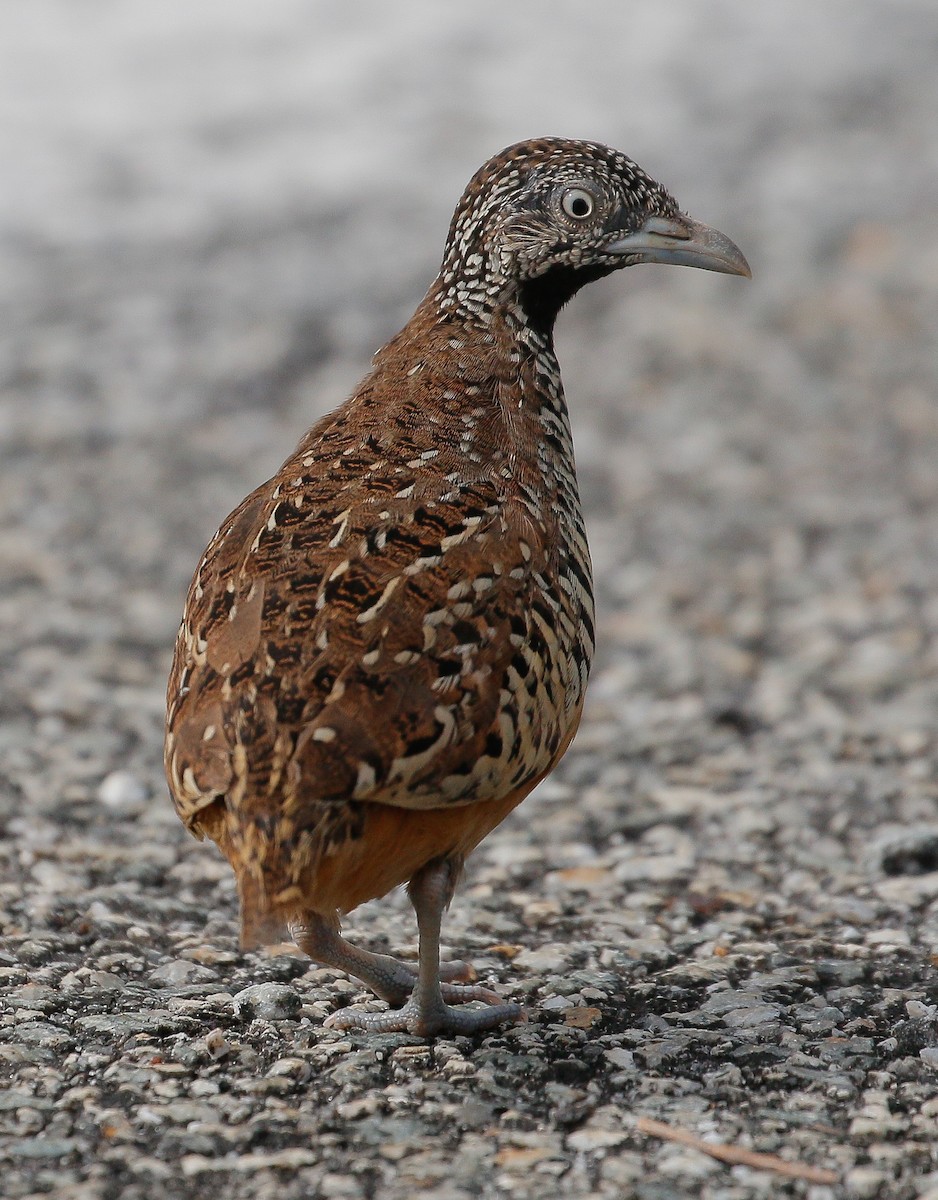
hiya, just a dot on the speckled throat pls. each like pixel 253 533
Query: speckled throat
pixel 538 468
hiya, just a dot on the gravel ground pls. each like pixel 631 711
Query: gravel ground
pixel 722 910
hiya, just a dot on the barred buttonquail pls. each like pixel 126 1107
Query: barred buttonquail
pixel 385 647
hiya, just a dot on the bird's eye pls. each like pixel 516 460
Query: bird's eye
pixel 578 203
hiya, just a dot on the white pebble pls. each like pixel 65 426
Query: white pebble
pixel 122 790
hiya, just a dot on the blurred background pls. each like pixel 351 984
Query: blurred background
pixel 213 214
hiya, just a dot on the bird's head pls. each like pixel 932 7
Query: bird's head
pixel 544 217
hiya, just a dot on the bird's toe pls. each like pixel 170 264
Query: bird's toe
pixel 431 1021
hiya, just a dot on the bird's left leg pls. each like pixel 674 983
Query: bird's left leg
pixel 318 935
pixel 426 1013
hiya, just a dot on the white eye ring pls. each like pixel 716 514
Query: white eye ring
pixel 578 203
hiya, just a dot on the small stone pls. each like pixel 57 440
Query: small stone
pixel 906 851
pixel 29 1120
pixel 209 956
pixel 686 1163
pixel 885 940
pixel 122 791
pixel 545 959
pixel 217 1044
pixel 418 1056
pixel 518 1157
pixel 363 1106
pixel 746 1018
pixel 579 879
pixel 840 972
pixel 181 971
pixel 41 1147
pixel 880 1127
pixel 107 981
pixel 34 953
pixel 908 891
pixel 296 1068
pixel 394 1151
pixel 288 1159
pixel 476 1114
pixel 204 1087
pixel 582 1017
pixel 121 1025
pixel 52 877
pixel 269 1001
pixel 458 1068
pixel 929 1056
pixel 505 950
pixel 623 1170
pixel 555 1003
pixel 339 1186
pixel 596 1139
pixel 185 1112
pixel 657 868
pixel 540 912
pixel 865 1182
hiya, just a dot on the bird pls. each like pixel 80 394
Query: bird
pixel 386 646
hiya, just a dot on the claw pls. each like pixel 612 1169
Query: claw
pixel 462 993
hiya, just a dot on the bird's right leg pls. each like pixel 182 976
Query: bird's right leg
pixel 389 978
pixel 428 1010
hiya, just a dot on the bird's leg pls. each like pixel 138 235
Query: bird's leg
pixel 426 1013
pixel 390 978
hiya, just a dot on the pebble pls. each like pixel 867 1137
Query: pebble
pixel 542 960
pixel 623 1059
pixel 181 971
pixel 888 938
pixel 556 1003
pixel 657 868
pixel 217 1044
pixel 866 1183
pixel 596 1139
pixel 123 792
pixel 908 891
pixel 269 1001
pixel 41 1147
pixel 756 1014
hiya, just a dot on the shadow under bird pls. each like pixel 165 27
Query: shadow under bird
pixel 386 646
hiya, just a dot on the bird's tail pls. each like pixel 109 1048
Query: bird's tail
pixel 261 924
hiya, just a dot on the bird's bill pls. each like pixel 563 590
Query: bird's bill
pixel 682 243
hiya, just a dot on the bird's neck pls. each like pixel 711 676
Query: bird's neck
pixel 501 341
pixel 504 352
pixel 483 394
pixel 489 366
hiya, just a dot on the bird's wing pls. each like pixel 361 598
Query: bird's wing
pixel 374 639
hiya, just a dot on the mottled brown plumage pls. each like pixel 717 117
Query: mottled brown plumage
pixel 386 646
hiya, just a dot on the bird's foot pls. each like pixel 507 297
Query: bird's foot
pixel 394 980
pixel 390 978
pixel 429 1020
